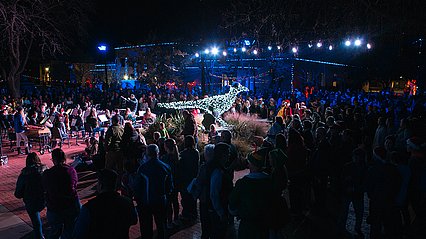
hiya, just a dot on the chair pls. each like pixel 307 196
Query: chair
pixel 57 135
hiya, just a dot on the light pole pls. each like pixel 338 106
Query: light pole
pixel 103 48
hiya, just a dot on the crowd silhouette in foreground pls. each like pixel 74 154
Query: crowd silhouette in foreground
pixel 321 155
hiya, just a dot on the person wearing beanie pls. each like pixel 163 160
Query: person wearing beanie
pixel 252 199
pixel 382 184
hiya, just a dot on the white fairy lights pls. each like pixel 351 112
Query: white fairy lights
pixel 214 105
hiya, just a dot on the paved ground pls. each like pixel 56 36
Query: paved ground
pixel 15 223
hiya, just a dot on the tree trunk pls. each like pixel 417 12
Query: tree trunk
pixel 14 84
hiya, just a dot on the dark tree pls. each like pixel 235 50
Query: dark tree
pixel 293 21
pixel 36 28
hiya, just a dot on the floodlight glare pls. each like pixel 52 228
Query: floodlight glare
pixel 255 52
pixel 357 42
pixel 279 47
pixel 224 53
pixel 215 51
pixel 243 49
pixel 102 47
pixel 294 49
pixel 206 51
pixel 330 47
pixel 235 49
pixel 319 44
pixel 270 48
pixel 197 54
pixel 368 46
pixel 348 43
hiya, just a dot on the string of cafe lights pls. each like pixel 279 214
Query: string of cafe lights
pixel 248 48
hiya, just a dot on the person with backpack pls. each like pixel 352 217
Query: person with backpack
pixel 29 187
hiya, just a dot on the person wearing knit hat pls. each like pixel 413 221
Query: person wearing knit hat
pixel 252 199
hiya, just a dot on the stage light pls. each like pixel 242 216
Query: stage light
pixel 255 52
pixel 357 42
pixel 235 49
pixel 270 48
pixel 197 55
pixel 243 49
pixel 46 69
pixel 102 47
pixel 319 44
pixel 330 47
pixel 125 77
pixel 215 51
pixel 247 42
pixel 224 53
pixel 348 43
pixel 368 46
pixel 279 47
pixel 206 51
pixel 294 49
pixel 310 45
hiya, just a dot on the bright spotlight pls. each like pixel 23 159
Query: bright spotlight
pixel 294 49
pixel 357 42
pixel 279 47
pixel 224 53
pixel 46 69
pixel 243 49
pixel 270 48
pixel 368 46
pixel 215 51
pixel 330 47
pixel 348 43
pixel 255 52
pixel 235 49
pixel 197 54
pixel 319 44
pixel 102 47
pixel 206 51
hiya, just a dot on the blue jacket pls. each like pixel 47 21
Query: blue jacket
pixel 152 183
pixel 18 123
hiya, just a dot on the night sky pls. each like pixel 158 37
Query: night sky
pixel 130 22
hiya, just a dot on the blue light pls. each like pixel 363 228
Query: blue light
pixel 197 54
pixel 294 50
pixel 247 42
pixel 102 47
pixel 235 49
pixel 206 51
pixel 270 48
pixel 310 45
pixel 243 49
pixel 330 47
pixel 255 52
pixel 319 44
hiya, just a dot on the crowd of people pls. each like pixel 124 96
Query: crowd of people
pixel 324 152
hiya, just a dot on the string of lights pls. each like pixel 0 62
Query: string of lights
pixel 215 105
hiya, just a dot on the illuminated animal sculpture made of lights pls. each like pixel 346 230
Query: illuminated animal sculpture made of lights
pixel 215 105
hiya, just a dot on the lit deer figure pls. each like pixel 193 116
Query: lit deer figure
pixel 218 103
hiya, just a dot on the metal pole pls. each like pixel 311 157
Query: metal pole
pixel 203 78
pixel 106 73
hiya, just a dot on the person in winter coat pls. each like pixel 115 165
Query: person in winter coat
pixel 29 187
